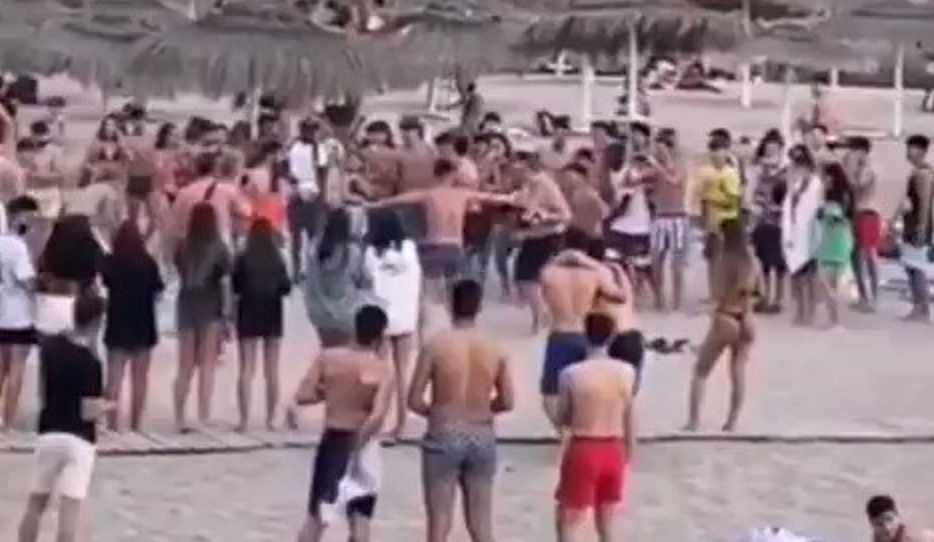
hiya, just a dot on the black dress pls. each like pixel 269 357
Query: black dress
pixel 260 287
pixel 131 305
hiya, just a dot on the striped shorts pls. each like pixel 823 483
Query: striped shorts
pixel 670 235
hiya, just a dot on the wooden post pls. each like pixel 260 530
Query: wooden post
pixel 898 122
pixel 587 83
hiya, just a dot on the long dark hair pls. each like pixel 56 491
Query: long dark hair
pixel 129 248
pixel 771 136
pixel 261 254
pixel 162 136
pixel 101 129
pixel 203 229
pixel 387 231
pixel 336 234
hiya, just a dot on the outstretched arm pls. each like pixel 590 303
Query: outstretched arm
pixel 417 196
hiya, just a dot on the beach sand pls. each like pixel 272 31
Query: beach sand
pixel 872 378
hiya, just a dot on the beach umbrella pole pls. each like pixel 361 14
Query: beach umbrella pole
pixel 787 103
pixel 834 77
pixel 254 109
pixel 588 77
pixel 633 71
pixel 745 97
pixel 899 113
pixel 432 98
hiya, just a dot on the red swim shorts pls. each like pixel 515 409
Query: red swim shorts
pixel 593 473
pixel 868 230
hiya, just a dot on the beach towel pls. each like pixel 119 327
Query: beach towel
pixel 362 479
pixel 775 534
pixel 800 227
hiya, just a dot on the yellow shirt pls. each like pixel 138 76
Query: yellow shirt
pixel 722 193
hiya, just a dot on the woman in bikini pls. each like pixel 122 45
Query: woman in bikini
pixel 731 327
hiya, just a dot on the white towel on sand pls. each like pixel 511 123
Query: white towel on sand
pixel 362 479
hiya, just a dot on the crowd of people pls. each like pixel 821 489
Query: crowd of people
pixel 581 229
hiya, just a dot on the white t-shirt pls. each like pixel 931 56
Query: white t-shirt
pixel 16 270
pixel 397 279
pixel 637 220
pixel 303 164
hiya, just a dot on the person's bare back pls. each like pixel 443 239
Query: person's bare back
pixel 570 291
pixel 622 311
pixel 348 383
pixel 599 394
pixel 445 210
pixel 465 369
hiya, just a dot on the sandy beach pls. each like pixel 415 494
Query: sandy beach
pixel 870 379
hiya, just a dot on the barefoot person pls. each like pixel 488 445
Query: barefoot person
pixel 260 282
pixel 731 326
pixel 888 526
pixel 470 383
pixel 596 407
pixel 73 401
pixel 541 229
pixel 867 223
pixel 17 323
pixel 918 227
pixel 355 385
pixel 446 205
pixel 571 284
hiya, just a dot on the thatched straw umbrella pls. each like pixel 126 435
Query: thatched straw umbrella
pixel 606 29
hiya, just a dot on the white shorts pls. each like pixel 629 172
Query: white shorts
pixel 64 463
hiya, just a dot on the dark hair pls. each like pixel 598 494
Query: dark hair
pixel 585 153
pixel 603 125
pixel 471 87
pixel 444 138
pixel 599 328
pixel 878 505
pixel 717 144
pixel 561 122
pixel 443 168
pixel 89 308
pixel 615 156
pixel 102 136
pixel 129 247
pixel 382 127
pixel 722 134
pixel 261 153
pixel 261 253
pixel 771 136
pixel 839 184
pixel 72 251
pixel 386 230
pixel 800 155
pixel 919 141
pixel 409 122
pixel 503 140
pixel 859 143
pixel 203 229
pixel 196 127
pixel 596 248
pixel 370 324
pixel 461 145
pixel 206 163
pixel 628 347
pixel 466 298
pixel 336 234
pixel 641 127
pixel 162 136
pixel 39 128
pixel 21 204
pixel 493 117
pixel 241 134
pixel 267 118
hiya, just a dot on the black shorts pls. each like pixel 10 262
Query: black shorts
pixel 767 241
pixel 441 260
pixel 18 337
pixel 534 255
pixel 139 186
pixel 633 249
pixel 330 466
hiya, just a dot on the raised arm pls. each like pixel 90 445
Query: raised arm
pixel 419 386
pixel 416 196
pixel 505 398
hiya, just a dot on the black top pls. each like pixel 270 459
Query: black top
pixel 912 220
pixel 133 285
pixel 68 373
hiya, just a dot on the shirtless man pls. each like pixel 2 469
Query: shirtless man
pixel 596 407
pixel 354 383
pixel 918 225
pixel 868 221
pixel 887 524
pixel 588 210
pixel 541 229
pixel 470 383
pixel 571 284
pixel 445 206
